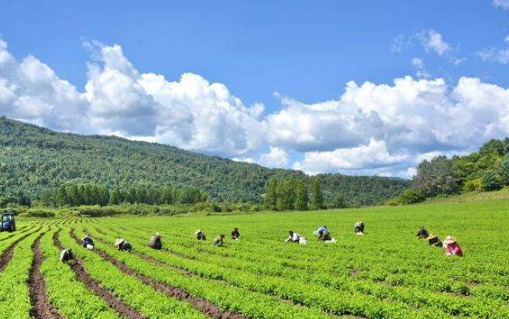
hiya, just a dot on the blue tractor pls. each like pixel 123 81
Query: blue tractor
pixel 8 222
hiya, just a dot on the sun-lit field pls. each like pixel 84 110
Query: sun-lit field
pixel 387 273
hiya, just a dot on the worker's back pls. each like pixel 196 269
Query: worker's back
pixel 155 242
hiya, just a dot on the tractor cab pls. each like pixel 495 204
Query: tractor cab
pixel 8 222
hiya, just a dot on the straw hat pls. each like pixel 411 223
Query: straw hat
pixel 157 234
pixel 197 231
pixel 449 240
pixel 431 236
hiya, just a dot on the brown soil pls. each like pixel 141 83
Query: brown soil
pixel 41 308
pixel 7 254
pixel 203 305
pixel 118 305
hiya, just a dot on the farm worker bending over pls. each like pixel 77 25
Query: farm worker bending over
pixel 293 237
pixel 66 255
pixel 433 240
pixel 122 244
pixel 155 242
pixel 87 241
pixel 324 236
pixel 359 228
pixel 219 240
pixel 200 235
pixel 235 234
pixel 320 231
pixel 451 247
pixel 422 233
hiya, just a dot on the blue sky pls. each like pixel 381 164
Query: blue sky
pixel 357 87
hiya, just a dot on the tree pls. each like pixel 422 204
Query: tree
pixel 48 197
pixel 436 177
pixel 286 195
pixel 114 198
pixel 270 199
pixel 87 195
pixel 301 197
pixel 95 197
pixel 490 181
pixel 338 201
pixel 61 196
pixel 411 196
pixel 503 171
pixel 316 194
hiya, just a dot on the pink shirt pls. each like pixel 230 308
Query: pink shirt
pixel 453 249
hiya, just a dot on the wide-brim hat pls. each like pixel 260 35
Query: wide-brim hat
pixel 431 236
pixel 197 231
pixel 449 240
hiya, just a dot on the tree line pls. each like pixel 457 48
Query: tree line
pixel 294 194
pixel 92 194
pixel 34 159
pixel 482 171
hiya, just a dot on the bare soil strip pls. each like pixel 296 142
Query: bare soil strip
pixel 7 254
pixel 118 305
pixel 201 304
pixel 41 308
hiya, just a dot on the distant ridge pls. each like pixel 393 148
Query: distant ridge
pixel 33 159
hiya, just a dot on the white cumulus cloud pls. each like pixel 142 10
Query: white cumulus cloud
pixel 371 156
pixel 190 113
pixel 371 128
pixel 398 123
pixel 31 91
pixel 276 157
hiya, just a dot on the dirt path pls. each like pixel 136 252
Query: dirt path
pixel 118 305
pixel 7 254
pixel 201 304
pixel 41 308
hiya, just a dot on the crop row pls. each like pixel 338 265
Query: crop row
pixel 14 290
pixel 308 294
pixel 227 297
pixel 415 297
pixel 388 270
pixel 132 291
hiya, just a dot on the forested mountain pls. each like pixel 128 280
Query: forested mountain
pixel 485 170
pixel 34 160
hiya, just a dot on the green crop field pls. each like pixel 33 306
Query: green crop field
pixel 387 273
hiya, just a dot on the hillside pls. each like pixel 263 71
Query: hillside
pixel 484 171
pixel 34 159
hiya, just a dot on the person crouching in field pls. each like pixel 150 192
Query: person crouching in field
pixel 66 255
pixel 359 228
pixel 294 237
pixel 87 242
pixel 434 241
pixel 219 241
pixel 422 233
pixel 155 242
pixel 235 234
pixel 122 244
pixel 451 247
pixel 325 236
pixel 200 235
